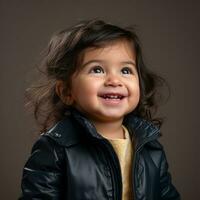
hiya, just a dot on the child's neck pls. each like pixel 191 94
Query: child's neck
pixel 112 130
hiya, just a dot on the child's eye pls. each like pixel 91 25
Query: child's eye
pixel 97 70
pixel 127 70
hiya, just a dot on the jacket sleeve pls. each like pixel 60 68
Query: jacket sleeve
pixel 42 174
pixel 168 191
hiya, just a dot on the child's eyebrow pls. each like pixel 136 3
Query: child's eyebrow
pixel 93 61
pixel 129 62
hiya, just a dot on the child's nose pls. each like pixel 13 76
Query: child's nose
pixel 113 80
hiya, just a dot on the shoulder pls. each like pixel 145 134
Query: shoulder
pixel 50 145
pixel 155 145
pixel 45 154
pixel 155 150
pixel 64 133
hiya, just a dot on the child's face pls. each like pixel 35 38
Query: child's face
pixel 107 86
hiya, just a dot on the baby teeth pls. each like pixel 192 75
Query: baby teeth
pixel 111 96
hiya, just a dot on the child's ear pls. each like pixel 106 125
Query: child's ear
pixel 65 97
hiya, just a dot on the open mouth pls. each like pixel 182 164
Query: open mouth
pixel 112 96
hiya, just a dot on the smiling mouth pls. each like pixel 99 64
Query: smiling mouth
pixel 112 96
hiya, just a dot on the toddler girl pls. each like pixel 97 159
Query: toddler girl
pixel 99 136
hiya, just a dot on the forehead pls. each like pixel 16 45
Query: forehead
pixel 116 50
pixel 121 47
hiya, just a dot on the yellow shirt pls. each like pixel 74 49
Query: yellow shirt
pixel 124 151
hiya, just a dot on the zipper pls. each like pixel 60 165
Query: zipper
pixel 115 165
pixel 153 137
pixel 115 170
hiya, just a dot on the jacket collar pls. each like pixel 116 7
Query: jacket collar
pixel 66 131
pixel 142 130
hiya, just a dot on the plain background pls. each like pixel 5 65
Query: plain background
pixel 170 33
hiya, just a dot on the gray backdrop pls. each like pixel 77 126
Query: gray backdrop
pixel 170 34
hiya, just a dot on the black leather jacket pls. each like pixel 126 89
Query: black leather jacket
pixel 73 162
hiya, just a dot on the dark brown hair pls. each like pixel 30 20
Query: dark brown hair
pixel 61 60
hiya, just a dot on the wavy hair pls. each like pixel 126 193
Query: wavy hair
pixel 61 60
